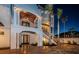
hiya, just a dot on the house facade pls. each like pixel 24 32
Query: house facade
pixel 25 24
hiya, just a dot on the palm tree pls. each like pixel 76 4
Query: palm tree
pixel 64 19
pixel 49 8
pixel 72 31
pixel 59 13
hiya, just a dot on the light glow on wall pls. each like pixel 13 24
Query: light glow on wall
pixel 45 40
pixel 17 9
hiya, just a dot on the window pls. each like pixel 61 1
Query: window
pixel 25 24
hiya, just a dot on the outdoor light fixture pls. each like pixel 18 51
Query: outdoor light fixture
pixel 17 9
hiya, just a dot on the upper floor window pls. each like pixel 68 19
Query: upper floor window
pixel 25 24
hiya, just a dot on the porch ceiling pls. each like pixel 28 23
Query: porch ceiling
pixel 31 17
pixel 28 32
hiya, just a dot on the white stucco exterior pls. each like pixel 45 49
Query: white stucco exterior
pixel 12 27
pixel 5 20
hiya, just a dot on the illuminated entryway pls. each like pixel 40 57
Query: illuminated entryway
pixel 26 28
pixel 27 38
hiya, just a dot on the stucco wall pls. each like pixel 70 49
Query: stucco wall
pixel 5 15
pixel 4 39
pixel 5 20
pixel 66 40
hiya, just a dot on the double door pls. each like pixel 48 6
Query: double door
pixel 26 39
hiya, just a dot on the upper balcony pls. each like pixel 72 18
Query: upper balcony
pixel 26 18
pixel 33 8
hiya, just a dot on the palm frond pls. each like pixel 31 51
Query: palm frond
pixel 49 8
pixel 59 12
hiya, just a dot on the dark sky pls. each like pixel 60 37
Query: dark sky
pixel 72 11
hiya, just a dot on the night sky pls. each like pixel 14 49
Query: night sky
pixel 72 11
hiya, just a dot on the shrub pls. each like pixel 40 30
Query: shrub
pixel 69 42
pixel 75 43
pixel 34 44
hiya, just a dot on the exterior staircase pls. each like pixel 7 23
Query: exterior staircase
pixel 49 37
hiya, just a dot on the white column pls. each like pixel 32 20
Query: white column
pixel 16 18
pixel 13 39
pixel 40 38
pixel 40 33
pixel 40 24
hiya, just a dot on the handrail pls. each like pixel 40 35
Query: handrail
pixel 48 37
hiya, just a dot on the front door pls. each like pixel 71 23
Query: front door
pixel 25 39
